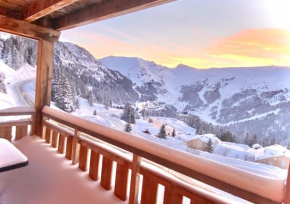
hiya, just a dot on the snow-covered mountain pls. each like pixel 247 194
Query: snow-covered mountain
pixel 256 99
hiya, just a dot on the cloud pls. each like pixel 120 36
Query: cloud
pixel 257 47
pixel 254 47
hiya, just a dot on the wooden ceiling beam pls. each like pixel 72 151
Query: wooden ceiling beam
pixel 41 8
pixel 26 29
pixel 10 13
pixel 104 10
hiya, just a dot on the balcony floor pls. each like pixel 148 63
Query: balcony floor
pixel 49 178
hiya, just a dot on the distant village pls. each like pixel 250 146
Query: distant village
pixel 162 127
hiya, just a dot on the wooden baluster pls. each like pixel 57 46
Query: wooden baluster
pixel 5 132
pixel 21 131
pixel 135 180
pixel 54 139
pixel 61 143
pixel 48 135
pixel 121 184
pixel 107 168
pixel 69 145
pixel 287 193
pixel 76 148
pixel 149 190
pixel 172 197
pixel 94 166
pixel 83 163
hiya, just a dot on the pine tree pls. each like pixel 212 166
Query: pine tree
pixel 173 133
pixel 209 146
pixel 162 132
pixel 128 114
pixel 95 112
pixel 128 128
pixel 91 99
pixel 77 103
pixel 63 96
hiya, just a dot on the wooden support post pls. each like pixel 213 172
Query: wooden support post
pixel 287 193
pixel 107 168
pixel 76 148
pixel 21 131
pixel 171 197
pixel 5 132
pixel 149 190
pixel 135 180
pixel 54 139
pixel 69 145
pixel 94 166
pixel 43 82
pixel 48 135
pixel 83 164
pixel 121 184
pixel 61 143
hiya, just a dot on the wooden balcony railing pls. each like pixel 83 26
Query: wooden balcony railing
pixel 21 125
pixel 76 137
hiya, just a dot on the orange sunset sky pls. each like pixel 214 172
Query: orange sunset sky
pixel 198 33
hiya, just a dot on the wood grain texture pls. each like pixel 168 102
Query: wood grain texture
pixel 54 139
pixel 76 148
pixel 69 145
pixel 5 132
pixel 43 82
pixel 149 190
pixel 42 8
pixel 94 166
pixel 21 131
pixel 171 197
pixel 48 135
pixel 135 180
pixel 106 179
pixel 61 143
pixel 83 162
pixel 26 29
pixel 121 184
pixel 102 11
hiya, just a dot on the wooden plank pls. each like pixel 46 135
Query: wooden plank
pixel 48 135
pixel 69 145
pixel 83 163
pixel 21 122
pixel 106 178
pixel 94 166
pixel 149 190
pixel 102 11
pixel 135 180
pixel 16 111
pixel 61 143
pixel 26 29
pixel 41 8
pixel 76 148
pixel 287 192
pixel 21 131
pixel 171 197
pixel 12 13
pixel 121 184
pixel 5 132
pixel 54 139
pixel 43 82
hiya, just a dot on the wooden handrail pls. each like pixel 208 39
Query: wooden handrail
pixel 254 188
pixel 20 122
pixel 17 111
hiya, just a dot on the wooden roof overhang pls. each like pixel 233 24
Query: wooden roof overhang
pixel 42 19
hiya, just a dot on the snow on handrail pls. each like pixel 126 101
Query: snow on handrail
pixel 15 111
pixel 247 185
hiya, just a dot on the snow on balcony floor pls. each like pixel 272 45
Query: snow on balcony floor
pixel 49 178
